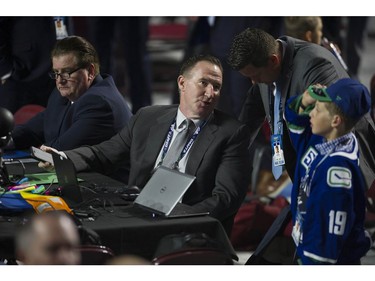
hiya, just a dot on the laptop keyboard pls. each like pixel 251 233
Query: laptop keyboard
pixel 111 189
pixel 180 210
pixel 117 194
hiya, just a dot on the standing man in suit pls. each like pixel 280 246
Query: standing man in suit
pixel 292 65
pixel 25 47
pixel 218 156
pixel 223 31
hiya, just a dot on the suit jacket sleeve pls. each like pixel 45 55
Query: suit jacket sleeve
pixel 104 156
pixel 92 123
pixel 319 70
pixel 30 133
pixel 253 114
pixel 311 64
pixel 232 177
pixel 222 168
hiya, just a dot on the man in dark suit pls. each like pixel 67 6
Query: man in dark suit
pixel 25 47
pixel 218 156
pixel 293 65
pixel 84 108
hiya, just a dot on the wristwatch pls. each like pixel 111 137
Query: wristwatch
pixel 5 77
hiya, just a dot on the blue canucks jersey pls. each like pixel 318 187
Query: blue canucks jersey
pixel 328 196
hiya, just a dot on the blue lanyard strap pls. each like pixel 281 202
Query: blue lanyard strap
pixel 276 109
pixel 187 146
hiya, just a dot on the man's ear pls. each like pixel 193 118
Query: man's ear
pixel 275 59
pixel 308 36
pixel 181 83
pixel 91 70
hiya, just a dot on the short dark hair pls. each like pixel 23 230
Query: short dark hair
pixel 193 60
pixel 252 46
pixel 81 48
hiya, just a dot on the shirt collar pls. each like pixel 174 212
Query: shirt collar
pixel 180 118
pixel 341 143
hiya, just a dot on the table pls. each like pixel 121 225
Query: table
pixel 126 234
pixel 122 232
pixel 140 235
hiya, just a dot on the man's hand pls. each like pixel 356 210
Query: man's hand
pixel 46 165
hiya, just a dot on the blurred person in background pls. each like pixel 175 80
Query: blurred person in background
pixel 49 238
pixel 121 43
pixel 310 29
pixel 25 48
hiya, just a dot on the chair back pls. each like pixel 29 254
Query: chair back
pixel 95 254
pixel 194 256
pixel 26 112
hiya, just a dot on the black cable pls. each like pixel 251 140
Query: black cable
pixel 50 185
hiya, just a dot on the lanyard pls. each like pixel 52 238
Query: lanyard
pixel 187 146
pixel 275 128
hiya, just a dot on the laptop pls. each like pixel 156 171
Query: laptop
pixel 163 192
pixel 67 177
pixel 75 195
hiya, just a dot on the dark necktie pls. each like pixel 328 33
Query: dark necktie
pixel 178 144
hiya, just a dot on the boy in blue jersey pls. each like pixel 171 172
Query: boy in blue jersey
pixel 328 197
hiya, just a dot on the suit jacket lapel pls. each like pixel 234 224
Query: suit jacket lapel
pixel 156 137
pixel 199 148
pixel 63 115
pixel 264 94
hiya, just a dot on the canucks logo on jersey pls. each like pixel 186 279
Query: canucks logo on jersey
pixel 309 157
pixel 339 177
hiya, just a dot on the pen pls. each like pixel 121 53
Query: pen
pixel 30 188
pixel 21 186
pixel 23 180
pixel 39 190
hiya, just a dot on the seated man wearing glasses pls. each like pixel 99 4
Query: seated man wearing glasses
pixel 85 108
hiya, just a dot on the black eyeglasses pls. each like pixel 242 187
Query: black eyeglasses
pixel 63 75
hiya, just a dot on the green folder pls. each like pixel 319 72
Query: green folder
pixel 43 178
